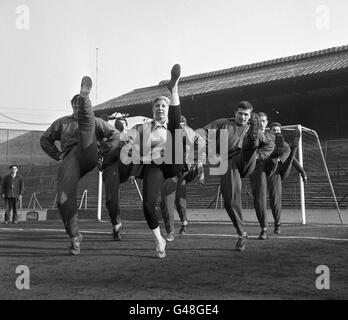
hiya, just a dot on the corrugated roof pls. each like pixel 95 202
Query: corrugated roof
pixel 292 67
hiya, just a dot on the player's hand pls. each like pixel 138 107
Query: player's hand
pixel 304 178
pixel 105 147
pixel 131 179
pixel 3 196
pixel 100 163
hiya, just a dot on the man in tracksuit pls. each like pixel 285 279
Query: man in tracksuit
pixel 245 143
pixel 114 173
pixel 281 173
pixel 264 169
pixel 78 135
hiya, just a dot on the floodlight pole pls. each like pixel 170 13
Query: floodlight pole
pixel 302 193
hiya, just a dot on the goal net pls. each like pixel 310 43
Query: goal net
pixel 315 201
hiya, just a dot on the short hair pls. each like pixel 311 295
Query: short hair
pixel 183 119
pixel 263 114
pixel 275 124
pixel 244 105
pixel 13 165
pixel 75 99
pixel 119 125
pixel 104 116
pixel 164 98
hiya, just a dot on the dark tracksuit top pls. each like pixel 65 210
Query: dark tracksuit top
pixel 65 130
pixel 79 147
pixel 236 134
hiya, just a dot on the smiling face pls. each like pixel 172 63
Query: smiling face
pixel 160 110
pixel 242 116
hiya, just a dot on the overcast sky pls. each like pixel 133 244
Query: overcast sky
pixel 48 45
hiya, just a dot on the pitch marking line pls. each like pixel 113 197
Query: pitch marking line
pixel 186 235
pixel 286 224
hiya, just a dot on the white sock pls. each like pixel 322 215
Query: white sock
pixel 184 223
pixel 157 233
pixel 118 226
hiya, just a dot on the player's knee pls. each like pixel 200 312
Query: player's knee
pixel 62 198
pixel 149 206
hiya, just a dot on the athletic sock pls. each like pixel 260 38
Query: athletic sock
pixel 117 226
pixel 157 233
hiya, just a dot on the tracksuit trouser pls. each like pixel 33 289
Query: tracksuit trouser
pixel 258 182
pixel 275 196
pixel 168 193
pixel 180 199
pixel 173 196
pixel 79 161
pixel 111 179
pixel 275 183
pixel 239 166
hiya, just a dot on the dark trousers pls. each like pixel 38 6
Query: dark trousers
pixel 111 178
pixel 180 199
pixel 152 183
pixel 168 194
pixel 275 196
pixel 275 185
pixel 258 182
pixel 173 195
pixel 80 160
pixel 11 204
pixel 239 166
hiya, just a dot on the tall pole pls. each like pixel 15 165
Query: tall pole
pixel 100 180
pixel 300 159
pixel 96 76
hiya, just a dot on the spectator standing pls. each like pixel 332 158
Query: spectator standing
pixel 12 190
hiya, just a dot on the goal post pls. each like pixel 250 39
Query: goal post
pixel 100 195
pixel 318 194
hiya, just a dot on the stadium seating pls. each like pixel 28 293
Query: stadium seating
pixel 42 181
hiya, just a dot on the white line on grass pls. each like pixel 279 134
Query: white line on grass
pixel 186 235
pixel 287 224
